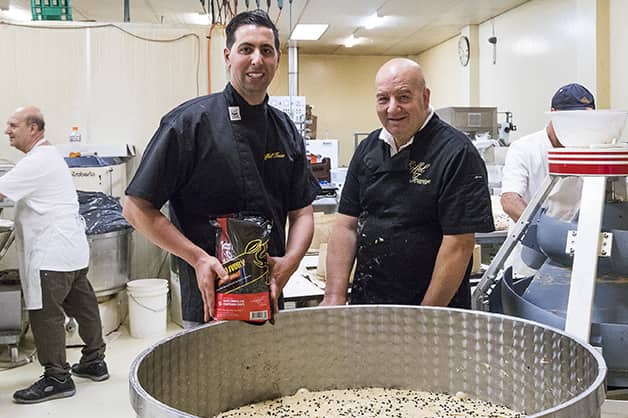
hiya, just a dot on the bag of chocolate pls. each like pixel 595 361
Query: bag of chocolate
pixel 241 247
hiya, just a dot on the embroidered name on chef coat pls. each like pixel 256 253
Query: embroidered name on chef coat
pixel 274 155
pixel 234 113
pixel 416 171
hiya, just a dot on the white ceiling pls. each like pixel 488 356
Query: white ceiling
pixel 411 26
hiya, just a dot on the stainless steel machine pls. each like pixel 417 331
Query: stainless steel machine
pixel 109 261
pixel 539 371
pixel 11 318
pixel 471 120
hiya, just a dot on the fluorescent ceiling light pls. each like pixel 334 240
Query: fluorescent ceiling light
pixel 351 40
pixel 373 21
pixel 308 32
pixel 197 18
pixel 16 14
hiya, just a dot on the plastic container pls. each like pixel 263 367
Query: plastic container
pixel 588 128
pixel 51 9
pixel 148 303
pixel 75 135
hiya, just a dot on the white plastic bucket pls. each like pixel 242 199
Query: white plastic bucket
pixel 148 302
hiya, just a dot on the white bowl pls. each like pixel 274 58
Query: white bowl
pixel 588 128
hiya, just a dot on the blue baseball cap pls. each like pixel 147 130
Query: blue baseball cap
pixel 573 97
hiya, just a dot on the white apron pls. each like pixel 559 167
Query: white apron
pixel 29 237
pixel 49 232
pixel 34 234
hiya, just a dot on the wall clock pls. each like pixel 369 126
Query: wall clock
pixel 463 50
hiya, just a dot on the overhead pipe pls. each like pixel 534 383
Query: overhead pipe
pixel 127 11
pixel 209 56
pixel 293 64
pixel 293 68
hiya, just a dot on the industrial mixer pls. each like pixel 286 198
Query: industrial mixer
pixel 11 319
pixel 580 268
pixel 525 366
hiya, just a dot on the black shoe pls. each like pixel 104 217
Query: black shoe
pixel 96 371
pixel 45 389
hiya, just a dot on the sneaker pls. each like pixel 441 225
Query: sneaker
pixel 96 371
pixel 45 389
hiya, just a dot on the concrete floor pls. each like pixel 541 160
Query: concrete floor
pixel 108 399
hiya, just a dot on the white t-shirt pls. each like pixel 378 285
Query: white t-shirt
pixel 525 170
pixel 50 233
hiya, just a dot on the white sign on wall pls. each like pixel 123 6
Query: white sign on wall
pixel 294 106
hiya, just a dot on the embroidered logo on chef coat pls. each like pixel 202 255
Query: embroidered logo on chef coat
pixel 417 170
pixel 234 113
pixel 274 155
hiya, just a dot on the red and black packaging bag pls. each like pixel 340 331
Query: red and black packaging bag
pixel 241 247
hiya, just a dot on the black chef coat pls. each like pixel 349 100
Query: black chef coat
pixel 218 155
pixel 405 204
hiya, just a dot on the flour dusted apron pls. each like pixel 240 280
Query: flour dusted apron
pixel 396 248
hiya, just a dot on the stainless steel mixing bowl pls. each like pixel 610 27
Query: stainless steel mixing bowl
pixel 521 364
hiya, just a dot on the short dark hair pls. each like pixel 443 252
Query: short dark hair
pixel 37 120
pixel 256 17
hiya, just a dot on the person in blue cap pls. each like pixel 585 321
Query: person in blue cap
pixel 526 165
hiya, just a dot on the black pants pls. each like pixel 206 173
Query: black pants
pixel 72 293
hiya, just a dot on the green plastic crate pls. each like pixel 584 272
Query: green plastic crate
pixel 51 9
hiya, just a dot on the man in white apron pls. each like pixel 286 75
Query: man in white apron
pixel 53 256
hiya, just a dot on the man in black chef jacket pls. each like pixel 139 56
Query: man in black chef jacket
pixel 226 153
pixel 416 192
